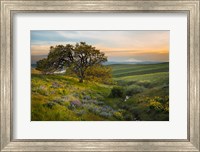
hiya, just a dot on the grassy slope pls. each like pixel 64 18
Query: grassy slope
pixel 153 80
pixel 53 96
pixel 130 69
pixel 60 91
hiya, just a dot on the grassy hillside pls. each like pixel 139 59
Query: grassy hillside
pixel 140 92
pixel 121 70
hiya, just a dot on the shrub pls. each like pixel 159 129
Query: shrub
pixel 49 105
pixel 121 82
pixel 66 104
pixel 131 82
pixel 146 84
pixel 80 112
pixel 55 85
pixel 87 97
pixel 75 104
pixel 159 103
pixel 99 73
pixel 105 114
pixel 118 115
pixel 61 91
pixel 93 108
pixel 166 107
pixel 155 105
pixel 128 117
pixel 117 92
pixel 134 89
pixel 42 90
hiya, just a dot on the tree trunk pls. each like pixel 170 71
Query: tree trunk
pixel 81 80
pixel 81 76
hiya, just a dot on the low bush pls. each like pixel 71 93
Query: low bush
pixel 146 84
pixel 75 103
pixel 117 92
pixel 134 89
pixel 156 105
pixel 118 115
pixel 105 114
pixel 122 82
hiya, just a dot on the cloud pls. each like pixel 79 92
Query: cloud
pixel 44 49
pixel 107 39
pixel 39 49
pixel 139 44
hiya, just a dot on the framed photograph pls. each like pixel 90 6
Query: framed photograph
pixel 100 75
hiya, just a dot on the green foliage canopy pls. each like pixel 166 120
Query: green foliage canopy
pixel 99 73
pixel 78 58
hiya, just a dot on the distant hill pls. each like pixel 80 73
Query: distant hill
pixel 123 63
pixel 144 62
pixel 33 65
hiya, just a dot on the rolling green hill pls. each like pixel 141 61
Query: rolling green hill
pixel 139 93
pixel 120 70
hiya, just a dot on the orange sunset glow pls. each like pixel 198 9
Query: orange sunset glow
pixel 118 46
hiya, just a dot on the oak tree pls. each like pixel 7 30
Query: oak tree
pixel 78 58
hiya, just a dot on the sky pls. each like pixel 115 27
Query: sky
pixel 118 46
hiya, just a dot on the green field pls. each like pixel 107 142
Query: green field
pixel 139 92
